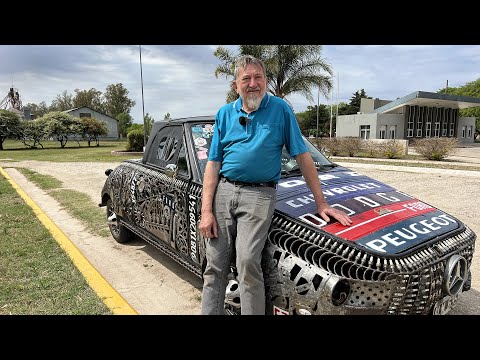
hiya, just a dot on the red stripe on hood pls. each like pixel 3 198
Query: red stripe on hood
pixel 378 218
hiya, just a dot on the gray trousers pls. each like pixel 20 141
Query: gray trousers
pixel 243 215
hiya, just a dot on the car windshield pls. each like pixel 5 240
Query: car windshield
pixel 202 139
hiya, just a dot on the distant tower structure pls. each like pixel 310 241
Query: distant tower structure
pixel 13 102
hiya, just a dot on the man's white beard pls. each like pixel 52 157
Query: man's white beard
pixel 253 102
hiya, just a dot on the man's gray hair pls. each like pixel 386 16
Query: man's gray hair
pixel 244 60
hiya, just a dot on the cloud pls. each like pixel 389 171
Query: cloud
pixel 180 80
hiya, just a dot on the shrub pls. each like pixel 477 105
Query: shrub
pixel 436 148
pixel 371 148
pixel 332 144
pixel 391 149
pixel 135 140
pixel 350 145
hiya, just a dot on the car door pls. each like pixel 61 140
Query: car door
pixel 165 214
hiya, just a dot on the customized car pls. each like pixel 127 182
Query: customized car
pixel 399 256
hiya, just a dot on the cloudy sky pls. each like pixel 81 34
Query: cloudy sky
pixel 180 80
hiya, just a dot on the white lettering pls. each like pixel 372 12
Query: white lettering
pixel 347 210
pixel 291 183
pixel 387 237
pixel 405 236
pixel 327 193
pixel 439 221
pixel 366 201
pixel 304 200
pixel 193 228
pixel 389 198
pixel 410 233
pixel 430 225
pixel 423 231
pixel 417 205
pixel 445 216
pixel 313 220
pixel 327 177
pixel 377 245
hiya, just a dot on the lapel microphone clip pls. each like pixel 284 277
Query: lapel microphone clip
pixel 243 120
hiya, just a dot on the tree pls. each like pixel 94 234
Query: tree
pixel 61 126
pixel 354 105
pixel 62 102
pixel 10 126
pixel 307 120
pixel 93 129
pixel 33 132
pixel 148 124
pixel 290 69
pixel 90 98
pixel 37 110
pixel 136 127
pixel 117 101
pixel 469 89
pixel 124 121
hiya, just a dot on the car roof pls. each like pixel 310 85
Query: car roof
pixel 157 125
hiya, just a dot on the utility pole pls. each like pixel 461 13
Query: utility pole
pixel 331 111
pixel 338 89
pixel 318 108
pixel 143 103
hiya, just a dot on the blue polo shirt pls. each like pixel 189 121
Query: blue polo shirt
pixel 253 152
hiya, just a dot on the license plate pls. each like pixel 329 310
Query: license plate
pixel 444 305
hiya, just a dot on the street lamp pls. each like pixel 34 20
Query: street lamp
pixel 143 103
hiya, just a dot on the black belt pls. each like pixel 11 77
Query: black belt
pixel 272 184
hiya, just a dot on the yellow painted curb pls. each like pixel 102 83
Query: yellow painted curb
pixel 115 302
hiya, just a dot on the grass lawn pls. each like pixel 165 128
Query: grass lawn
pixel 72 152
pixel 36 276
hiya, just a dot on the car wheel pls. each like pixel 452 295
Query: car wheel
pixel 119 232
pixel 468 282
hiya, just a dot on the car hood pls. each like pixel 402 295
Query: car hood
pixel 385 220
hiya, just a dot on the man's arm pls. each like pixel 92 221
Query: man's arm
pixel 309 172
pixel 208 223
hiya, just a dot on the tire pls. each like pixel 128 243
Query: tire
pixel 468 282
pixel 119 232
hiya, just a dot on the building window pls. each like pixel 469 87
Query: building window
pixel 452 130
pixel 463 131
pixel 383 131
pixel 444 129
pixel 437 129
pixel 470 131
pixel 410 126
pixel 428 129
pixel 392 131
pixel 365 132
pixel 88 115
pixel 419 127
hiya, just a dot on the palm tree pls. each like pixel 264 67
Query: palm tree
pixel 290 68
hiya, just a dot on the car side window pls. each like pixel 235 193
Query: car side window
pixel 165 147
pixel 202 139
pixel 182 165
